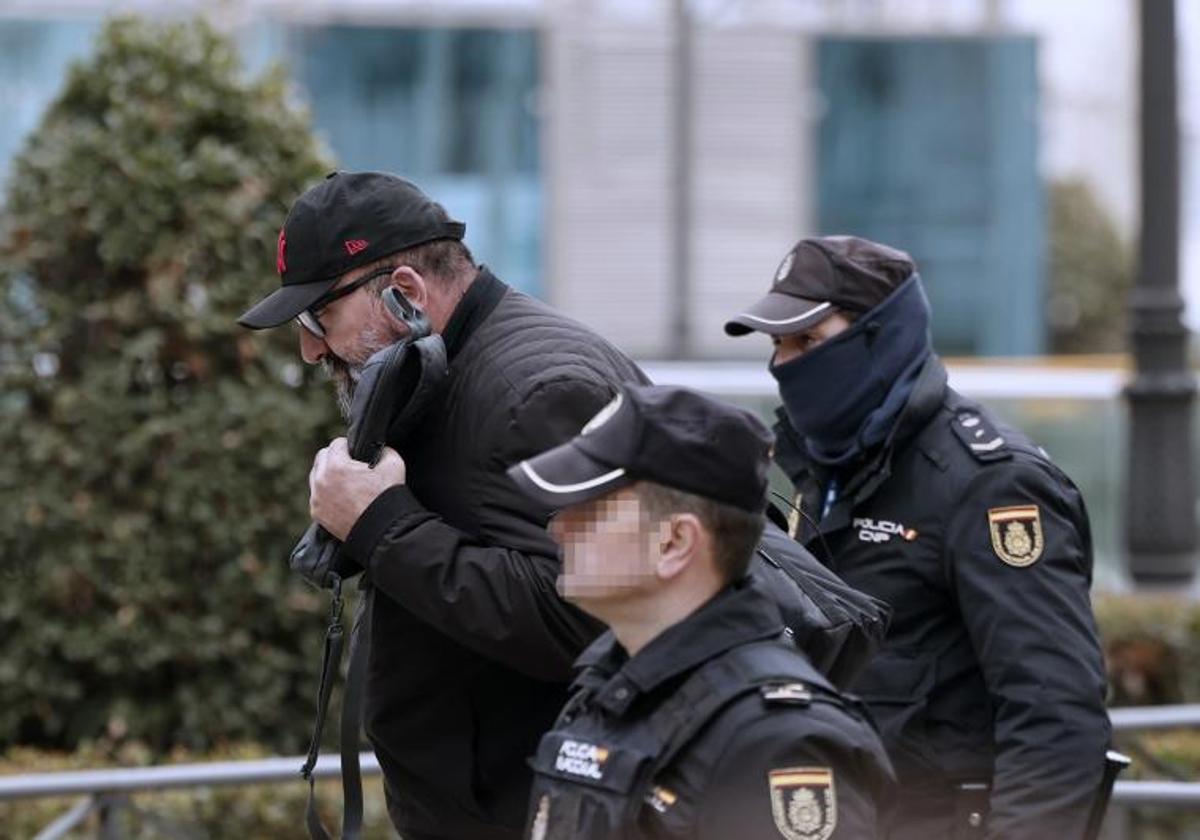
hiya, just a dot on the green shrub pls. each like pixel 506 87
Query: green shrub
pixel 1152 648
pixel 155 454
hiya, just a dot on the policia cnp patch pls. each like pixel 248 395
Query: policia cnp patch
pixel 1016 534
pixel 803 802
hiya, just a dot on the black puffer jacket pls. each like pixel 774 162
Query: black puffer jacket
pixel 471 647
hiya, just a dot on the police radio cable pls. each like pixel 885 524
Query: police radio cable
pixel 812 523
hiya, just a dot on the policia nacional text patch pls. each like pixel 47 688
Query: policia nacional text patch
pixel 803 802
pixel 1016 534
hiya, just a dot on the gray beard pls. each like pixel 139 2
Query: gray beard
pixel 344 377
pixel 345 373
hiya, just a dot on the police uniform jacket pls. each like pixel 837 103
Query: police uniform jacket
pixel 471 647
pixel 989 690
pixel 716 729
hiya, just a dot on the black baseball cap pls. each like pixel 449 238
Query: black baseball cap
pixel 660 433
pixel 818 277
pixel 348 220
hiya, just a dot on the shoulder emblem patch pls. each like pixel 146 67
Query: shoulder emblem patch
pixel 1016 534
pixel 803 802
pixel 980 437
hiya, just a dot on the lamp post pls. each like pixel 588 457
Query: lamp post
pixel 1161 502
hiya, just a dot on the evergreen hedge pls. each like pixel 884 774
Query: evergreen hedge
pixel 155 454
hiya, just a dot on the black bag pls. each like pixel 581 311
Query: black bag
pixel 837 626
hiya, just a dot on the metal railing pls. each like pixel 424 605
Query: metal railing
pixel 1147 718
pixel 1175 794
pixel 163 777
pixel 107 791
pixel 1181 795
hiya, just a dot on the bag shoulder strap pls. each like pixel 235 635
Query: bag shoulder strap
pixel 353 699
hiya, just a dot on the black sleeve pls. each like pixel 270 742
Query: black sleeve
pixel 1018 553
pixel 496 597
pixel 781 776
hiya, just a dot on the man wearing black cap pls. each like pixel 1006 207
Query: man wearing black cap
pixel 693 716
pixel 470 645
pixel 989 691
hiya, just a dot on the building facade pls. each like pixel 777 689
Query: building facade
pixel 644 164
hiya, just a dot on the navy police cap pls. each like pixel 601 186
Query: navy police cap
pixel 668 435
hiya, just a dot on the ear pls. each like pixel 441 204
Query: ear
pixel 412 285
pixel 681 541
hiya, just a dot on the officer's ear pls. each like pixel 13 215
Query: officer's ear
pixel 681 537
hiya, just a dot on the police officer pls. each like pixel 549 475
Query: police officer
pixel 693 716
pixel 989 691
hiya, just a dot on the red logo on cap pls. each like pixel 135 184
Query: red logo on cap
pixel 280 260
pixel 353 246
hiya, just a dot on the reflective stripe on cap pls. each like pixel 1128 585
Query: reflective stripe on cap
pixel 551 487
pixel 791 320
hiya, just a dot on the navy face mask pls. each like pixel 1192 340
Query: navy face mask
pixel 844 396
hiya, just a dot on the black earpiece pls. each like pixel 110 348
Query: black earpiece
pixel 398 304
pixel 403 311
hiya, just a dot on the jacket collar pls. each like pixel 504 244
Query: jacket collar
pixel 928 394
pixel 480 299
pixel 736 615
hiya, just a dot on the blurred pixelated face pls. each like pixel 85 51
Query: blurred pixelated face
pixel 609 548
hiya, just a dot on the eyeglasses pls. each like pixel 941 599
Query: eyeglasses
pixel 308 318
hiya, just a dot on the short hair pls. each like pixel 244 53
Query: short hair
pixel 444 261
pixel 735 531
